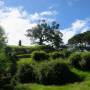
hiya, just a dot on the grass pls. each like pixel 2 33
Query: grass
pixel 84 85
pixel 24 60
pixel 76 86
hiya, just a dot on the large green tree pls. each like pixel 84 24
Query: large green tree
pixel 82 38
pixel 45 33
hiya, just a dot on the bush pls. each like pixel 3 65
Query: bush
pixel 24 56
pixel 5 82
pixel 56 55
pixel 57 73
pixel 85 62
pixel 75 59
pixel 26 72
pixel 45 48
pixel 4 62
pixel 39 55
pixel 28 50
pixel 66 53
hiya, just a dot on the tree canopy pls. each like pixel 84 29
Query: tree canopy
pixel 45 33
pixel 80 38
pixel 2 37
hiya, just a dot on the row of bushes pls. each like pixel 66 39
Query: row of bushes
pixel 48 72
pixel 51 72
pixel 42 55
pixel 30 49
pixel 80 60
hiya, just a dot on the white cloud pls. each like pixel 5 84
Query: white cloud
pixel 43 15
pixel 49 13
pixel 78 26
pixel 16 21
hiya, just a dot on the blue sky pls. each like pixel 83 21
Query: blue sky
pixel 18 15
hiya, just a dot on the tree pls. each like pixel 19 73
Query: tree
pixel 2 38
pixel 77 39
pixel 5 64
pixel 2 50
pixel 20 43
pixel 82 38
pixel 44 33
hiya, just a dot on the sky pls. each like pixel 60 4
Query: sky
pixel 16 16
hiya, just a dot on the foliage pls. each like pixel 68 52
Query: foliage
pixel 80 60
pixel 39 56
pixel 83 85
pixel 20 43
pixel 44 32
pixel 26 72
pixel 5 75
pixel 2 38
pixel 56 73
pixel 24 56
pixel 66 53
pixel 18 50
pixel 85 62
pixel 5 83
pixel 80 38
pixel 75 59
pixel 57 54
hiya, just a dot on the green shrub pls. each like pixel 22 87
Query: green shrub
pixel 85 62
pixel 5 82
pixel 66 53
pixel 26 72
pixel 4 62
pixel 24 56
pixel 75 59
pixel 56 55
pixel 28 50
pixel 40 56
pixel 56 72
pixel 45 48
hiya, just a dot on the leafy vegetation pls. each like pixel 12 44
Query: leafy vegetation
pixel 85 62
pixel 44 32
pixel 80 38
pixel 40 56
pixel 21 67
pixel 75 59
pixel 26 72
pixel 56 72
pixel 56 55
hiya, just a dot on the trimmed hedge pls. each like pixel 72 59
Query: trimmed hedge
pixel 24 56
pixel 56 73
pixel 56 55
pixel 29 49
pixel 85 62
pixel 80 60
pixel 26 72
pixel 75 59
pixel 39 56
